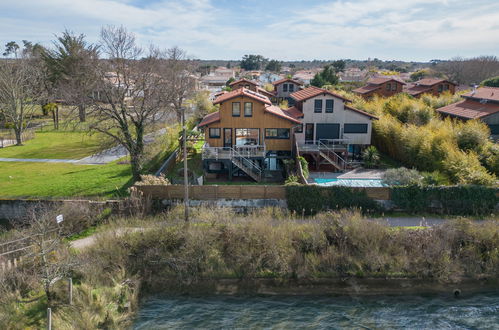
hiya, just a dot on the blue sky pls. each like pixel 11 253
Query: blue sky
pixel 287 30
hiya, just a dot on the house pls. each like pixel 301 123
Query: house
pixel 305 75
pixel 247 136
pixel 381 86
pixel 251 85
pixel 283 88
pixel 332 130
pixel 433 86
pixel 481 104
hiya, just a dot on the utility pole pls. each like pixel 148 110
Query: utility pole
pixel 186 179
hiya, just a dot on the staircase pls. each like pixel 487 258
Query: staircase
pixel 248 166
pixel 332 157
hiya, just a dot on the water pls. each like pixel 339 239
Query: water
pixel 479 311
pixel 349 182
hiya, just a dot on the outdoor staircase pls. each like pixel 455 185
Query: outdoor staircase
pixel 249 167
pixel 332 157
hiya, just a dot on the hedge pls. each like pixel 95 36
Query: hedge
pixel 451 200
pixel 310 199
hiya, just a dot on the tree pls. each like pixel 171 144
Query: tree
pixel 339 65
pixel 491 82
pixel 274 66
pixel 11 48
pixel 230 81
pixel 19 91
pixel 133 92
pixel 252 62
pixel 326 77
pixel 471 70
pixel 71 69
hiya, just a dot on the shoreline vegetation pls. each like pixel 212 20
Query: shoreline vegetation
pixel 269 251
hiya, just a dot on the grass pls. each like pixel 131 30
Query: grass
pixel 55 145
pixel 194 163
pixel 19 179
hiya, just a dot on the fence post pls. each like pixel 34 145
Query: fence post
pixel 49 318
pixel 70 290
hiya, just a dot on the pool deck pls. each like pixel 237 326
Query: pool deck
pixel 354 174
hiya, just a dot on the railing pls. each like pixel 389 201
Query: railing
pixel 334 156
pixel 228 152
pixel 330 143
pixel 248 164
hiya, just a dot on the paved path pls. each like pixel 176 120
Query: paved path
pixel 103 157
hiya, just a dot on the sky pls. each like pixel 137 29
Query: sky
pixel 410 30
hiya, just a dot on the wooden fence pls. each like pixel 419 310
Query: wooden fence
pixel 8 137
pixel 237 192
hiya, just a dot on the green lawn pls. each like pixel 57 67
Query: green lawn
pixel 55 145
pixel 62 180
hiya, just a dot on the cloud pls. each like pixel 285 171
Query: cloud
pixel 223 29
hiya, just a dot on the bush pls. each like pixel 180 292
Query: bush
pixel 310 199
pixel 370 157
pixel 146 180
pixel 402 177
pixel 454 200
pixel 491 82
pixel 473 135
pixel 304 166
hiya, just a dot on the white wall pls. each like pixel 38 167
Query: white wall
pixel 340 116
pixel 281 93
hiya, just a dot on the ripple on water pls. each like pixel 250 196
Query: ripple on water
pixel 318 312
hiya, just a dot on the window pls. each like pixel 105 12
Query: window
pixel 214 133
pixel 329 106
pixel 388 86
pixel 446 87
pixel 236 109
pixel 247 136
pixel 291 87
pixel 247 87
pixel 248 109
pixel 277 133
pixel 440 88
pixel 355 128
pixel 394 86
pixel 299 129
pixel 318 106
pixel 284 87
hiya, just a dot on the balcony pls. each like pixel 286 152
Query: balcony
pixel 246 151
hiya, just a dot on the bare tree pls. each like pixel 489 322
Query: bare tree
pixel 131 93
pixel 470 71
pixel 19 92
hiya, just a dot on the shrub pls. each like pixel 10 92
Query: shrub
pixel 491 82
pixel 370 157
pixel 292 180
pixel 402 177
pixel 146 180
pixel 473 135
pixel 304 166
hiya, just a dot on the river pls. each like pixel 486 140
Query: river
pixel 479 311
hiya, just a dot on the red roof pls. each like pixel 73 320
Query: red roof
pixel 432 81
pixel 242 92
pixel 484 93
pixel 361 112
pixel 469 109
pixel 278 82
pixel 264 92
pixel 382 80
pixel 243 80
pixel 313 91
pixel 275 110
pixel 366 89
pixel 416 90
pixel 294 112
pixel 210 118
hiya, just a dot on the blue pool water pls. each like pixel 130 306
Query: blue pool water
pixel 479 311
pixel 349 182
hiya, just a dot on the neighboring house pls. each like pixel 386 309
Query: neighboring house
pixel 305 75
pixel 251 85
pixel 213 83
pixel 433 86
pixel 380 86
pixel 482 104
pixel 331 124
pixel 248 136
pixel 284 88
pixel 224 72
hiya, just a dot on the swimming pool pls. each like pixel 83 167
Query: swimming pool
pixel 349 182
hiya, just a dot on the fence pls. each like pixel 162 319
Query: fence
pixel 8 136
pixel 237 192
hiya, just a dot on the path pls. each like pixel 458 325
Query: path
pixel 101 158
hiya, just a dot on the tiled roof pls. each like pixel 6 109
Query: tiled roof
pixel 416 90
pixel 294 112
pixel 312 91
pixel 280 81
pixel 432 81
pixel 243 80
pixel 275 110
pixel 366 89
pixel 242 92
pixel 382 80
pixel 469 109
pixel 264 92
pixel 361 112
pixel 210 118
pixel 485 93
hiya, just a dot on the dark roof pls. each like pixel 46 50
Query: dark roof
pixel 278 82
pixel 382 80
pixel 243 80
pixel 286 114
pixel 470 109
pixel 210 118
pixel 366 89
pixel 361 112
pixel 242 92
pixel 484 93
pixel 264 92
pixel 416 90
pixel 432 81
pixel 312 91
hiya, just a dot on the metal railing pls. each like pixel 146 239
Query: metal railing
pixel 248 164
pixel 228 152
pixel 334 156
